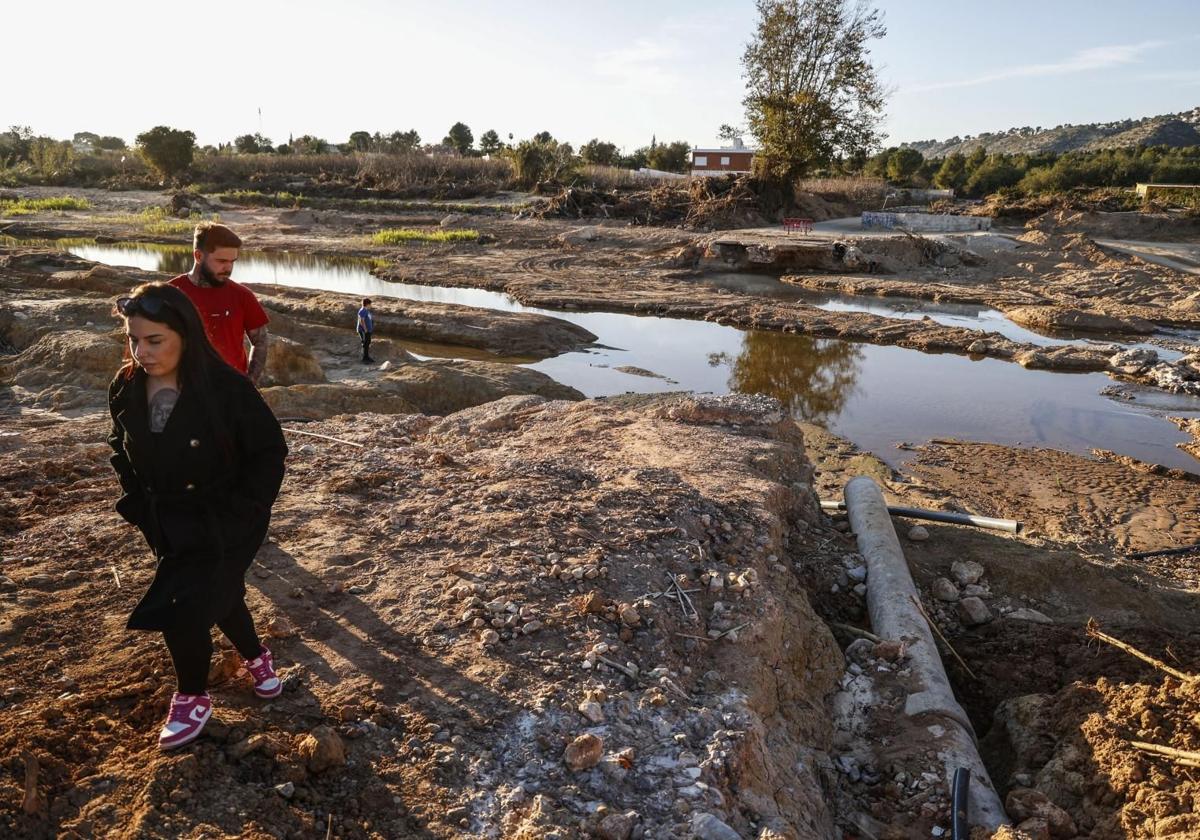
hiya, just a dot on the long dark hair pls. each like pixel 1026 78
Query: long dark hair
pixel 199 361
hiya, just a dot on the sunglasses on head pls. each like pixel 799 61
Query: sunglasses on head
pixel 141 303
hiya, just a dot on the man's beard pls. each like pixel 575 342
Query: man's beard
pixel 210 277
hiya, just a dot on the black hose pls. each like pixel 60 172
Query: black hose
pixel 1166 552
pixel 959 826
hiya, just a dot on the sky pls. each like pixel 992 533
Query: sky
pixel 621 71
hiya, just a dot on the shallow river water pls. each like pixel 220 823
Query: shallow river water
pixel 873 395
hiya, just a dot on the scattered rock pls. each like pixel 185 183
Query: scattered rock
pixel 918 533
pixel 286 790
pixel 630 617
pixel 591 710
pixel 322 749
pixel 1027 614
pixel 707 827
pixel 1027 803
pixel 945 590
pixel 966 572
pixel 617 826
pixel 584 752
pixel 972 612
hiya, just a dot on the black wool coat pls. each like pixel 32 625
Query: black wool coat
pixel 200 495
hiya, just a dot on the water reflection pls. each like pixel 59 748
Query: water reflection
pixel 813 378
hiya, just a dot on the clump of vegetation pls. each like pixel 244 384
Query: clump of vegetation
pixel 402 236
pixel 980 174
pixel 168 150
pixel 29 206
pixel 158 221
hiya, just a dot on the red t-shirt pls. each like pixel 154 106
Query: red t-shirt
pixel 228 311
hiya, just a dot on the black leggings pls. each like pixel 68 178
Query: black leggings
pixel 365 338
pixel 191 648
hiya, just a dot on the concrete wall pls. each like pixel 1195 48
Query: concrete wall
pixel 936 223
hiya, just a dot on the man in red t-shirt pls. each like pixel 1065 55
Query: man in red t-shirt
pixel 229 310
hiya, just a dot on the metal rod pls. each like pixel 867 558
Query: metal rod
pixel 1009 525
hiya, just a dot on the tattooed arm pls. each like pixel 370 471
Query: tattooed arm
pixel 259 340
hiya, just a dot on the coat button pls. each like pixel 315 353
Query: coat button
pixel 191 487
pixel 194 443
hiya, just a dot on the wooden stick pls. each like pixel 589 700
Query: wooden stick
pixel 30 804
pixel 323 437
pixel 933 626
pixel 618 666
pixel 1168 751
pixel 856 631
pixel 329 827
pixel 116 576
pixel 1093 630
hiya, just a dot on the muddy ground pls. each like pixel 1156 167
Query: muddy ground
pixel 474 608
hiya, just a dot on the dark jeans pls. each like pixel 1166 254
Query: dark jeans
pixel 191 647
pixel 365 337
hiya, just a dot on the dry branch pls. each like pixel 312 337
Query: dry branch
pixel 1093 630
pixel 1184 756
pixel 933 626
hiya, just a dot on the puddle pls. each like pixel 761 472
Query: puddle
pixel 875 396
pixel 965 315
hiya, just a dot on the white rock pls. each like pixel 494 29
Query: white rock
pixel 966 572
pixel 945 590
pixel 1027 614
pixel 707 827
pixel 918 533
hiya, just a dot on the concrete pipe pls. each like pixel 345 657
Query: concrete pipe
pixel 894 615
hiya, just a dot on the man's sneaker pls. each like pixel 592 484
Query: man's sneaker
pixel 189 713
pixel 262 670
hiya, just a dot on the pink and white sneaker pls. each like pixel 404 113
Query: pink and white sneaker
pixel 189 713
pixel 262 670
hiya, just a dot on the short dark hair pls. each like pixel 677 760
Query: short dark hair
pixel 366 301
pixel 209 236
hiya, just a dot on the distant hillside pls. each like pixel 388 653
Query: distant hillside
pixel 1182 129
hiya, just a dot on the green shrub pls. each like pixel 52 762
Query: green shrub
pixel 401 236
pixel 168 150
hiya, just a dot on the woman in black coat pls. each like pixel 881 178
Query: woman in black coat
pixel 200 458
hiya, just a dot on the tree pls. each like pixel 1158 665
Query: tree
pixel 168 151
pixel 670 157
pixel 114 144
pixel 459 138
pixel 86 137
pixel 903 164
pixel 812 91
pixel 252 144
pixel 535 161
pixel 489 142
pixel 730 133
pixel 306 144
pixel 635 159
pixel 360 141
pixel 952 174
pixel 543 137
pixel 598 152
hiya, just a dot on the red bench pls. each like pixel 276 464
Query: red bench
pixel 802 225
